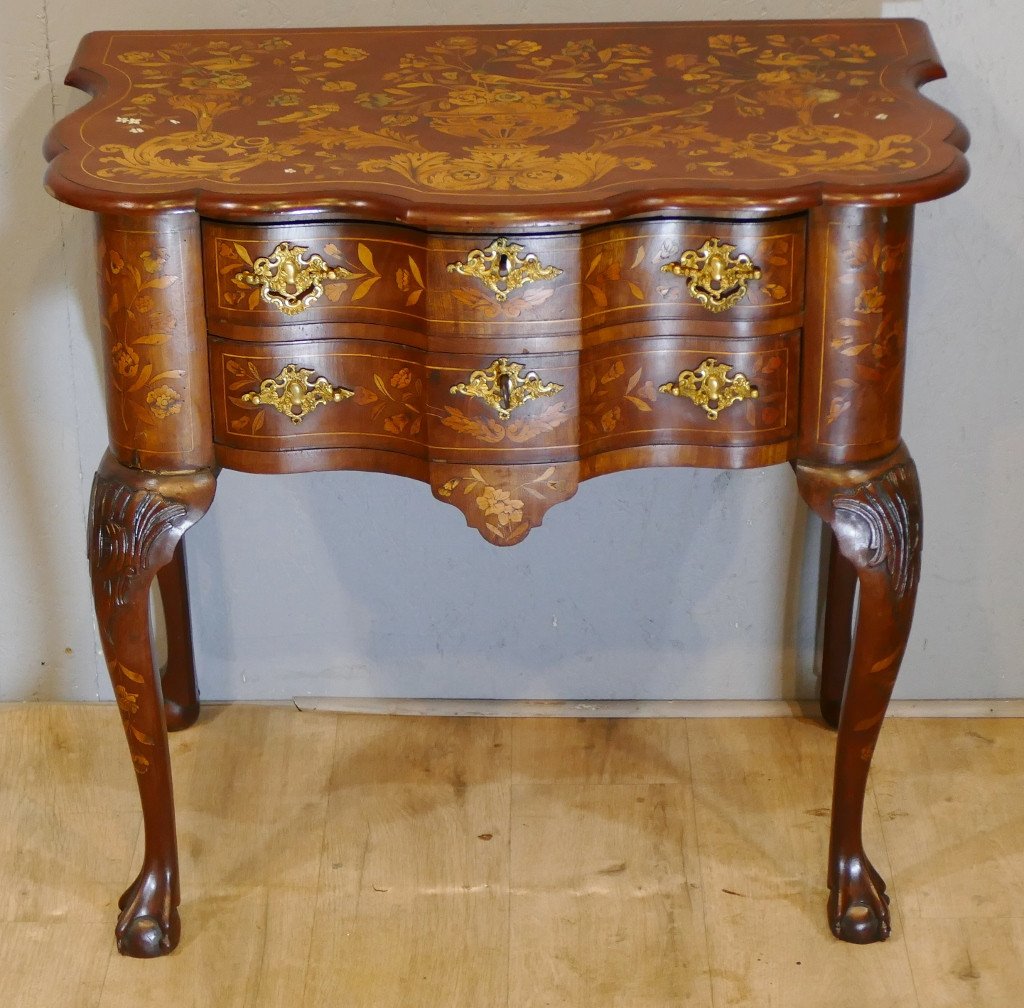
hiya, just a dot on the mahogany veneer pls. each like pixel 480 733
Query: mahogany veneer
pixel 502 260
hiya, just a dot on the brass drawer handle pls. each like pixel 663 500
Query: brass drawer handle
pixel 717 278
pixel 708 384
pixel 501 269
pixel 293 394
pixel 290 282
pixel 502 387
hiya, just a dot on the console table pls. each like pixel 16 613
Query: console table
pixel 502 260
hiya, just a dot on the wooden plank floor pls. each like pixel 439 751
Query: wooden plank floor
pixel 377 862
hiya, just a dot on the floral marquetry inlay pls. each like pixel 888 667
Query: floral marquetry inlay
pixel 522 110
pixel 867 341
pixel 504 502
pixel 144 307
pixel 294 277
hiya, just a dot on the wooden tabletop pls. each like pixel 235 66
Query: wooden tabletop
pixel 458 127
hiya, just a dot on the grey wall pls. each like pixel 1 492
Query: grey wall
pixel 654 584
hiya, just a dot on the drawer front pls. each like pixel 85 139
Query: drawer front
pixel 550 292
pixel 719 272
pixel 662 391
pixel 685 390
pixel 329 394
pixel 294 275
pixel 494 409
pixel 364 394
pixel 494 286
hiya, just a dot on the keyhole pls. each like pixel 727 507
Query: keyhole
pixel 505 389
pixel 503 265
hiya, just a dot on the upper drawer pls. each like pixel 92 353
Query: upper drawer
pixel 566 289
pixel 295 274
pixel 704 271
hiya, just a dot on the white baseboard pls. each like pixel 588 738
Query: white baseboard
pixel 645 708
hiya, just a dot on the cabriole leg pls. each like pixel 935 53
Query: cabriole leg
pixel 875 515
pixel 137 519
pixel 180 687
pixel 835 658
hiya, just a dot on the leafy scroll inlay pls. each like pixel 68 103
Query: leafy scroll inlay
pixel 476 112
pixel 612 393
pixel 396 403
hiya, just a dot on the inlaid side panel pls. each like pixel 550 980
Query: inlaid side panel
pixel 856 332
pixel 151 305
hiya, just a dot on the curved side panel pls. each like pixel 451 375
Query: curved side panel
pixel 151 303
pixel 856 324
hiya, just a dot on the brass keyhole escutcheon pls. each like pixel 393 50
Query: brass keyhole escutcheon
pixel 502 269
pixel 290 282
pixel 294 394
pixel 709 387
pixel 504 387
pixel 715 277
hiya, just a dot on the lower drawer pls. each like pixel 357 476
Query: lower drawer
pixel 690 390
pixel 323 394
pixel 485 408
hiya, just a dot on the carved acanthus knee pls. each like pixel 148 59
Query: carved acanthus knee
pixel 878 526
pixel 875 514
pixel 132 534
pixel 136 521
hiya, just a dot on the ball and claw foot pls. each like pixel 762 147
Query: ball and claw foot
pixel 858 906
pixel 149 925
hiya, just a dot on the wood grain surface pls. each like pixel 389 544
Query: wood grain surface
pixel 420 862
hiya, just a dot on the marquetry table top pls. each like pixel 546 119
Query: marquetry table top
pixel 569 121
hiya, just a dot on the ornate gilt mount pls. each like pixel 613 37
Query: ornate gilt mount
pixel 293 394
pixel 716 278
pixel 708 384
pixel 289 281
pixel 500 267
pixel 504 388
